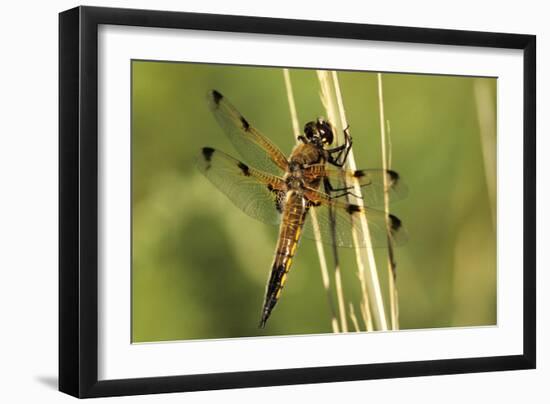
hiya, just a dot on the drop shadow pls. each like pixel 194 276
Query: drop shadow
pixel 48 381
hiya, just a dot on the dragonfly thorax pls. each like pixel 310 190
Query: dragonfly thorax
pixel 294 180
pixel 295 168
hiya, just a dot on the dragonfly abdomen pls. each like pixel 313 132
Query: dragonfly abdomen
pixel 289 235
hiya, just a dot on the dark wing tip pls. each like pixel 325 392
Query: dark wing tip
pixel 216 96
pixel 394 177
pixel 207 153
pixel 395 223
pixel 398 232
pixel 351 208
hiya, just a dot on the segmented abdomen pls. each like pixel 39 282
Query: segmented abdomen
pixel 293 217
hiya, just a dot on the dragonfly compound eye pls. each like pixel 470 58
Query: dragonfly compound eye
pixel 310 130
pixel 327 134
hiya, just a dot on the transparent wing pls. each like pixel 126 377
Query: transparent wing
pixel 340 223
pixel 371 182
pixel 254 148
pixel 258 194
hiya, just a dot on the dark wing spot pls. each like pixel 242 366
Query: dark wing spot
pixel 312 204
pixel 395 223
pixel 216 96
pixel 359 174
pixel 246 125
pixel 207 152
pixel 244 168
pixel 351 209
pixel 393 176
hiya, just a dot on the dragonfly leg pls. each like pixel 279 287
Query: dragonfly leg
pixel 342 151
pixel 330 190
pixel 341 189
pixel 346 194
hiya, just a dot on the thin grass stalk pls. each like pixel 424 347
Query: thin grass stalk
pixel 368 275
pixel 340 294
pixel 367 317
pixel 386 165
pixel 487 132
pixel 313 216
pixel 353 318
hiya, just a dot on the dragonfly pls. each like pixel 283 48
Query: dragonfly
pixel 284 191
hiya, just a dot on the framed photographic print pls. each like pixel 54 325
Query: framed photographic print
pixel 251 201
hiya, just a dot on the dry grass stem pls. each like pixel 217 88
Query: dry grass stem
pixel 318 243
pixel 328 100
pixel 353 318
pixel 368 275
pixel 367 317
pixel 386 165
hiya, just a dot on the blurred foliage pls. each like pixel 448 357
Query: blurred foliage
pixel 200 265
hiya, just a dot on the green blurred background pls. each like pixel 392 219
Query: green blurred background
pixel 199 264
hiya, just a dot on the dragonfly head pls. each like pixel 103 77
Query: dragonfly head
pixel 319 132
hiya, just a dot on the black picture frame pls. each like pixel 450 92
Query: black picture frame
pixel 78 201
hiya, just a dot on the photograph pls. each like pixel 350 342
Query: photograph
pixel 271 201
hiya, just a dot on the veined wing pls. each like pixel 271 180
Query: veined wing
pixel 258 194
pixel 345 222
pixel 254 148
pixel 371 182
